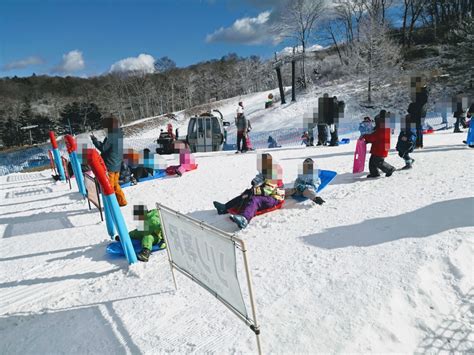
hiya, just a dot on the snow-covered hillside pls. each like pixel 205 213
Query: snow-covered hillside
pixel 384 266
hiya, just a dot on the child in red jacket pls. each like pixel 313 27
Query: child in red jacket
pixel 380 140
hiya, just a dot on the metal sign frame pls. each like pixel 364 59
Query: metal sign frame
pixel 240 245
pixel 51 162
pixel 97 192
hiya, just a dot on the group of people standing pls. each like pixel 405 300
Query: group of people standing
pixel 330 111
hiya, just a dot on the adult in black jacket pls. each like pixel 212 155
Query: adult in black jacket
pixel 417 110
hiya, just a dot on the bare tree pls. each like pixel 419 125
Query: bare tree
pixel 411 13
pixel 376 56
pixel 298 20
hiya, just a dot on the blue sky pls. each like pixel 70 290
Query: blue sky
pixel 35 35
pixel 88 37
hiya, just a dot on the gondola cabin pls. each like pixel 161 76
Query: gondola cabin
pixel 206 132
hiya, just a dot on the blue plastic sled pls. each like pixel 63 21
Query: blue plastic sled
pixel 326 177
pixel 158 174
pixel 344 141
pixel 115 248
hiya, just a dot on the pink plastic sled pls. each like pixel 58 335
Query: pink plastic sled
pixel 359 156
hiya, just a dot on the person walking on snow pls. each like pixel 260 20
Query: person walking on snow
pixel 380 140
pixel 111 151
pixel 242 129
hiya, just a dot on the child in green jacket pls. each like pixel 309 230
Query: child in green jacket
pixel 149 231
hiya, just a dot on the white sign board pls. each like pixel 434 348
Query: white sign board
pixel 206 255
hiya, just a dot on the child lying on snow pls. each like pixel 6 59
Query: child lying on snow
pixel 307 183
pixel 265 193
pixel 148 232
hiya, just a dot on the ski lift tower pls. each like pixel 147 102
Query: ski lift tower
pixel 278 63
pixel 29 128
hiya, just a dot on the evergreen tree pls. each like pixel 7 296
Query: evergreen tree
pixel 11 133
pixel 41 133
pixel 25 119
pixel 70 119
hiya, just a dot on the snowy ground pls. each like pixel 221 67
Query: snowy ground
pixel 383 266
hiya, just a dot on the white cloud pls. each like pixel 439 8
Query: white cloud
pixel 144 63
pixel 247 30
pixel 72 62
pixel 23 63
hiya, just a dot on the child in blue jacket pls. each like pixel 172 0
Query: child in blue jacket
pixel 367 126
pixel 407 141
pixel 307 183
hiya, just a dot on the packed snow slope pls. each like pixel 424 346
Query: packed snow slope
pixel 383 266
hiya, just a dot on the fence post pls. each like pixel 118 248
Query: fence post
pixel 57 156
pixel 110 203
pixel 76 166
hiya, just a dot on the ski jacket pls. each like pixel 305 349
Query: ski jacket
pixel 380 140
pixel 111 150
pixel 267 187
pixel 406 141
pixel 242 124
pixel 152 227
pixel 366 127
pixel 308 181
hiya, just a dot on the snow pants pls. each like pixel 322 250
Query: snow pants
pixel 334 136
pixel 376 163
pixel 241 142
pixel 419 136
pixel 148 239
pixel 114 181
pixel 249 206
pixel 322 134
pixel 405 155
pixel 257 203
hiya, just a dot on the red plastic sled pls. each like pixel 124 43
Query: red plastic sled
pixel 276 207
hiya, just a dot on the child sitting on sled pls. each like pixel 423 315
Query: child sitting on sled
pixel 148 232
pixel 307 183
pixel 265 193
pixel 407 141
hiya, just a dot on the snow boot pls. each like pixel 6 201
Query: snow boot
pixel 241 221
pixel 318 200
pixel 390 172
pixel 117 238
pixel 220 207
pixel 370 176
pixel 144 255
pixel 406 167
pixel 162 245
